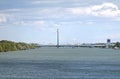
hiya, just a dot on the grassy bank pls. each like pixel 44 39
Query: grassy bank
pixel 6 45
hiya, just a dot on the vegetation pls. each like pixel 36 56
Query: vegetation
pixel 14 46
pixel 117 44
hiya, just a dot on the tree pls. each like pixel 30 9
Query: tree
pixel 1 49
pixel 6 45
pixel 117 44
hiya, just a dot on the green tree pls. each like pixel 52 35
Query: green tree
pixel 117 44
pixel 13 46
pixel 1 49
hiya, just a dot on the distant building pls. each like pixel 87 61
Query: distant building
pixel 108 43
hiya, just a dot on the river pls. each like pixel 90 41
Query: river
pixel 61 63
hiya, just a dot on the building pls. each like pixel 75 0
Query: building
pixel 108 44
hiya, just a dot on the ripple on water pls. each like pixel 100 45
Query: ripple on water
pixel 59 70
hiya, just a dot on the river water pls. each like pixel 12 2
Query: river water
pixel 61 63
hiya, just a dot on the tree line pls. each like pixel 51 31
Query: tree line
pixel 6 45
pixel 117 44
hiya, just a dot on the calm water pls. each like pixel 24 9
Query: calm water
pixel 62 63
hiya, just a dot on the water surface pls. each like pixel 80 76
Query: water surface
pixel 61 63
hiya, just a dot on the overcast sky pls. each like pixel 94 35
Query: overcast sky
pixel 79 21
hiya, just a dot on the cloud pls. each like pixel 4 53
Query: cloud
pixel 90 22
pixel 39 22
pixel 61 15
pixel 19 23
pixel 3 18
pixel 103 10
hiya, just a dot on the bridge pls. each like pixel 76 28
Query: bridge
pixel 98 45
pixel 73 46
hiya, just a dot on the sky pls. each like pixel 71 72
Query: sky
pixel 78 21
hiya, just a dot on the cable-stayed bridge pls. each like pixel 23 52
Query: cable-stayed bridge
pixel 99 45
pixel 82 45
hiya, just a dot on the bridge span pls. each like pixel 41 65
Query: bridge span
pixel 90 46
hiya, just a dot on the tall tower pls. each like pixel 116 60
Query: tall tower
pixel 57 38
pixel 108 43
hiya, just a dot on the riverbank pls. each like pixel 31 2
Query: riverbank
pixel 6 45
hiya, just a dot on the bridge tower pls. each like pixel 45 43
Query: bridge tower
pixel 57 38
